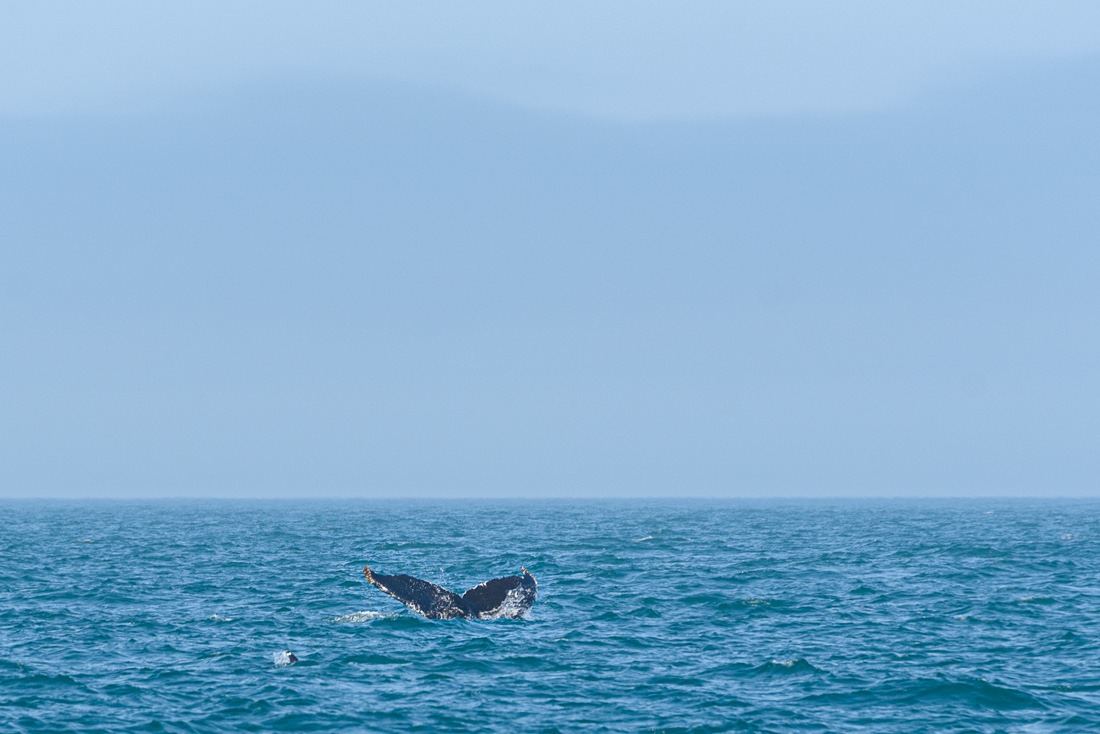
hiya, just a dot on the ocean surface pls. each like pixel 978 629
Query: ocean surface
pixel 675 616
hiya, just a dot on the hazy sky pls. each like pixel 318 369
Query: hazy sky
pixel 273 249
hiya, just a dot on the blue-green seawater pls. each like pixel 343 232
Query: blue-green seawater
pixel 824 616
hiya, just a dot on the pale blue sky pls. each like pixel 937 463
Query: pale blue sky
pixel 261 249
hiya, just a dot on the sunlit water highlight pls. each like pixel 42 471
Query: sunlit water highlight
pixel 887 616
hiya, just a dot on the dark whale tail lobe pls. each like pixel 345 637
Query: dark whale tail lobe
pixel 508 597
pixel 421 596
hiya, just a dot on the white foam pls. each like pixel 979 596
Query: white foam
pixel 642 540
pixel 360 617
pixel 220 618
pixel 284 658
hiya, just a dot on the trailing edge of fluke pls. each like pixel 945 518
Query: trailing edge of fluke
pixel 508 597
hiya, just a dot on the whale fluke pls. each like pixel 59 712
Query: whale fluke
pixel 509 597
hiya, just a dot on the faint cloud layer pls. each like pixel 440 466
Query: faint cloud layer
pixel 616 60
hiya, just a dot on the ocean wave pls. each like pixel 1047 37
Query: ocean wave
pixel 972 692
pixel 786 667
pixel 969 694
pixel 373 658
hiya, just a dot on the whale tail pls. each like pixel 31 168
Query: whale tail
pixel 508 597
